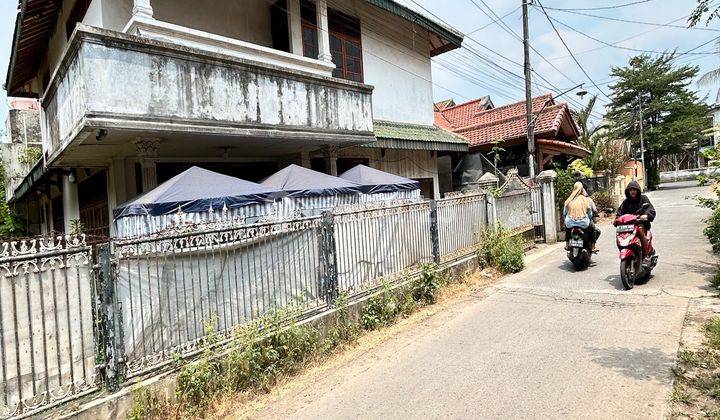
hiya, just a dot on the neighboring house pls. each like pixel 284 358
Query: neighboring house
pixel 134 91
pixel 506 127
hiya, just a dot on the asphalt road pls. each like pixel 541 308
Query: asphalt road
pixel 548 342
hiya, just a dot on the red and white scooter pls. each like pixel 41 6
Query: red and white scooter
pixel 631 252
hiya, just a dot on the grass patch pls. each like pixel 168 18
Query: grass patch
pixel 712 333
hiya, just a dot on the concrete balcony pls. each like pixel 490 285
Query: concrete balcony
pixel 130 85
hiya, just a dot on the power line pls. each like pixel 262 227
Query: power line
pixel 638 22
pixel 473 51
pixel 494 21
pixel 570 52
pixel 617 6
pixel 620 41
pixel 607 44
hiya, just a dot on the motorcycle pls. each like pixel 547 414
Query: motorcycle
pixel 579 250
pixel 632 253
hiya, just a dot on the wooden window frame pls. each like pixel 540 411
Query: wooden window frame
pixel 342 37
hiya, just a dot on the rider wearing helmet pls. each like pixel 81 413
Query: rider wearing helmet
pixel 634 200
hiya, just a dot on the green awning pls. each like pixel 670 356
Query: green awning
pixel 396 135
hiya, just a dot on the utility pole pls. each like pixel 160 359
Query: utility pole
pixel 528 92
pixel 642 142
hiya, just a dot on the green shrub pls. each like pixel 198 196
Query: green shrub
pixel 563 188
pixel 580 166
pixel 425 286
pixel 712 230
pixel 603 200
pixel 29 155
pixel 148 405
pixel 343 330
pixel 198 383
pixel 380 310
pixel 502 250
pixel 702 180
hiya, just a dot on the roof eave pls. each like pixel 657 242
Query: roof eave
pixel 9 82
pixel 452 38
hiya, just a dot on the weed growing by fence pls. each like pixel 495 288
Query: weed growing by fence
pixel 502 250
pixel 380 310
pixel 426 286
pixel 343 329
pixel 148 405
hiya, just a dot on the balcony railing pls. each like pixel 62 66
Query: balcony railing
pixel 117 81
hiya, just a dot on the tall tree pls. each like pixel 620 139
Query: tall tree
pixel 606 153
pixel 708 8
pixel 673 116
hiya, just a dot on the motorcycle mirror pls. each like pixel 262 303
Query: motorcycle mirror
pixel 645 206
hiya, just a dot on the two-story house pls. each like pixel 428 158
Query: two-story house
pixel 132 92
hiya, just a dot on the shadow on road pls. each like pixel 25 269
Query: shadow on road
pixel 646 364
pixel 677 185
pixel 614 281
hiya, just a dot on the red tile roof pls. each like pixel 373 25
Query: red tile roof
pixel 507 122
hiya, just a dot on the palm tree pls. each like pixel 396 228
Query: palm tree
pixel 582 118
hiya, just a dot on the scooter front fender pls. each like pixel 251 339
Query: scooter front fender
pixel 626 253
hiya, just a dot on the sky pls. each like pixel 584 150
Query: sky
pixel 490 61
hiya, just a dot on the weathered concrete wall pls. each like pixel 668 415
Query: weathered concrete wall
pixel 122 81
pixel 247 20
pixel 23 132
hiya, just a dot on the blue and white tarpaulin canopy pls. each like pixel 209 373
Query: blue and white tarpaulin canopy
pixel 298 181
pixel 373 180
pixel 197 190
pixel 196 195
pixel 309 193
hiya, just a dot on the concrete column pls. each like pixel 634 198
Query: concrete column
pixel 115 188
pixel 71 204
pixel 142 9
pixel 330 153
pixel 295 27
pixel 305 160
pixel 323 31
pixel 147 153
pixel 547 179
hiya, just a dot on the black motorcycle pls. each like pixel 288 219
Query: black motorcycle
pixel 579 249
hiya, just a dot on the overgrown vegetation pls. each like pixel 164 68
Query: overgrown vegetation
pixel 696 392
pixel 502 250
pixel 277 345
pixel 580 166
pixel 29 155
pixel 564 187
pixel 603 200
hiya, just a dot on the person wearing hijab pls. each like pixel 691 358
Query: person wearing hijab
pixel 577 212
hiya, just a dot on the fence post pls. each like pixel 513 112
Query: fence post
pixel 328 256
pixel 546 179
pixel 111 318
pixel 434 234
pixel 491 209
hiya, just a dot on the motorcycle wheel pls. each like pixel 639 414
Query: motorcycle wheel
pixel 626 273
pixel 578 263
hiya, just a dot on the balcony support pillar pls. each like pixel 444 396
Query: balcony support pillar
pixel 295 27
pixel 70 202
pixel 323 31
pixel 142 9
pixel 147 154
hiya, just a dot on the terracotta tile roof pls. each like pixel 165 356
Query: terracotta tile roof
pixel 507 122
pixel 442 105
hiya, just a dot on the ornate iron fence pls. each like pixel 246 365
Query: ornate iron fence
pixel 171 289
pixel 48 334
pixel 379 242
pixel 156 296
pixel 461 221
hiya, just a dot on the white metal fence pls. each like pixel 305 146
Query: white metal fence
pixel 151 298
